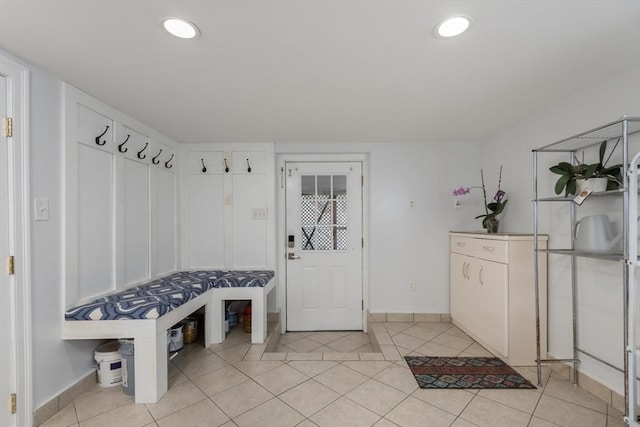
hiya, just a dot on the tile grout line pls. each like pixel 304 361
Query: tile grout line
pixel 392 363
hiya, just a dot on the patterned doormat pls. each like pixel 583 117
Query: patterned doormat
pixel 465 372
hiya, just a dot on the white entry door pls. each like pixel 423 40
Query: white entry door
pixel 324 246
pixel 7 295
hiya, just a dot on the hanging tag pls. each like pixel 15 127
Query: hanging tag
pixel 580 198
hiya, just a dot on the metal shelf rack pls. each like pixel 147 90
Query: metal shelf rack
pixel 622 129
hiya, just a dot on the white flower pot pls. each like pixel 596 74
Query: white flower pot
pixel 595 184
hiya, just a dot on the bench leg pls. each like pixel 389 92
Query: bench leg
pixel 215 322
pixel 151 374
pixel 258 318
pixel 211 321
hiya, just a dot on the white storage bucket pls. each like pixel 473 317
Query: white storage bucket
pixel 109 364
pixel 233 318
pixel 176 339
pixel 127 351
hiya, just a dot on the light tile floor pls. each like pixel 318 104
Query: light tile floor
pixel 335 379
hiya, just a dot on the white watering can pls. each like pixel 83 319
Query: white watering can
pixel 594 234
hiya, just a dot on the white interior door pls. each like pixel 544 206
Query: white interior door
pixel 324 246
pixel 7 295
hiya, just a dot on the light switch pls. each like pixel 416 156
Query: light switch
pixel 41 207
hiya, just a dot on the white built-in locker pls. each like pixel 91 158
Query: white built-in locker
pixel 165 221
pixel 120 202
pixel 227 198
pixel 95 226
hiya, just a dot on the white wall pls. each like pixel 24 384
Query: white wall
pixel 600 282
pixel 56 363
pixel 412 245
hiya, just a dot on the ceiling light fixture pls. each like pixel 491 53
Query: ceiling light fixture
pixel 452 27
pixel 180 28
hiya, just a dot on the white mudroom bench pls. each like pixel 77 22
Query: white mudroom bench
pixel 145 313
pixel 254 287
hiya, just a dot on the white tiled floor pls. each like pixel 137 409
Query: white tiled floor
pixel 335 379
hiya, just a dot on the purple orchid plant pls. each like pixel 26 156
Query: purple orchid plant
pixel 492 209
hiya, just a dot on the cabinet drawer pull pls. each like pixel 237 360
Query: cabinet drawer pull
pixel 489 248
pixel 480 275
pixel 460 244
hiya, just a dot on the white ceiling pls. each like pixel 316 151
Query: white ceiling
pixel 325 71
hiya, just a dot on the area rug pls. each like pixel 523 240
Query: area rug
pixel 465 372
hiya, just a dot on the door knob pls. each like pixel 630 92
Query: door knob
pixel 291 255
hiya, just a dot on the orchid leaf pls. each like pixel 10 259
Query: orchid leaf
pixel 561 183
pixel 562 168
pixel 497 208
pixel 603 149
pixel 590 172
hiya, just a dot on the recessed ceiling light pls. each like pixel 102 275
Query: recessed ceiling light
pixel 180 28
pixel 452 27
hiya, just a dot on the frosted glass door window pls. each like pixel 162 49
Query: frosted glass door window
pixel 323 212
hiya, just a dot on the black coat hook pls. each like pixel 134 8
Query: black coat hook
pixel 226 166
pixel 166 164
pixel 101 135
pixel 122 145
pixel 248 166
pixel 140 156
pixel 204 168
pixel 156 158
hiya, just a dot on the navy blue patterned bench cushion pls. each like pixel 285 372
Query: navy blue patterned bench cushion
pixel 243 279
pixel 156 298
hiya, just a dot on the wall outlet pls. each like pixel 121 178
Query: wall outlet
pixel 260 213
pixel 412 205
pixel 412 286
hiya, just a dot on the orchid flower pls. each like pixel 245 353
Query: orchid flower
pixel 493 209
pixel 461 191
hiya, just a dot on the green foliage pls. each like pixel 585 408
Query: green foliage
pixel 495 209
pixel 569 173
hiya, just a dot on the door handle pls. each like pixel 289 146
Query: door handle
pixel 291 255
pixel 480 276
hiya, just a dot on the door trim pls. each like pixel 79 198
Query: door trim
pixel 281 160
pixel 18 108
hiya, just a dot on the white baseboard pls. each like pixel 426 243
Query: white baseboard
pixel 410 317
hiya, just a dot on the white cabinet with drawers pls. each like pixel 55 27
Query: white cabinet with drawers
pixel 492 293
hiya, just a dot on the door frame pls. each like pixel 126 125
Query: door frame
pixel 18 108
pixel 281 213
